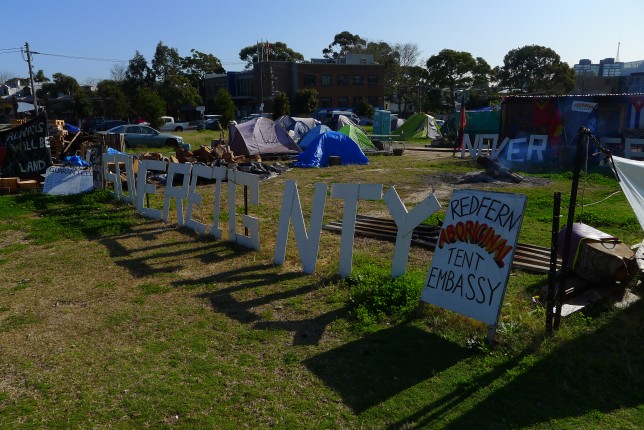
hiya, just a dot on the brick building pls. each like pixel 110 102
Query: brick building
pixel 340 85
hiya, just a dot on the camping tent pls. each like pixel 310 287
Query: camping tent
pixel 396 122
pixel 340 121
pixel 331 143
pixel 299 126
pixel 260 136
pixel 358 136
pixel 312 134
pixel 418 126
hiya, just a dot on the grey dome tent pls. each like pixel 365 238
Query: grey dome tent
pixel 260 136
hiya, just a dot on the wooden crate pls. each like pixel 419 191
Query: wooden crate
pixel 11 183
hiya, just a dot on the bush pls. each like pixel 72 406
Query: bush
pixel 376 297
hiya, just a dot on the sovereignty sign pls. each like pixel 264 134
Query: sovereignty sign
pixel 24 151
pixel 473 256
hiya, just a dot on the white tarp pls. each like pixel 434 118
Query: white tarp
pixel 631 175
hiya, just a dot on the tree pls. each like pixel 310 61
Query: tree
pixel 113 102
pixel 62 84
pixel 364 109
pixel 535 69
pixel 344 43
pixel 177 91
pixel 117 72
pixel 40 77
pixel 223 105
pixel 281 105
pixel 306 100
pixel 279 51
pixel 149 105
pixel 451 69
pixel 138 74
pixel 198 65
pixel 165 63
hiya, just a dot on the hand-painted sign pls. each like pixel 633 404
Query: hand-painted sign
pixel 472 260
pixel 24 151
pixel 68 180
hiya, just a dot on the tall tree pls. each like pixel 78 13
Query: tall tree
pixel 223 105
pixel 198 65
pixel 62 84
pixel 177 91
pixel 279 51
pixel 113 103
pixel 536 69
pixel 40 77
pixel 117 72
pixel 451 69
pixel 306 100
pixel 148 105
pixel 344 43
pixel 166 62
pixel 281 105
pixel 137 75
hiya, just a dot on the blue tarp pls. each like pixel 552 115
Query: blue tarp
pixel 331 143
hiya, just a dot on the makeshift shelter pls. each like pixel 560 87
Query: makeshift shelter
pixel 299 126
pixel 331 144
pixel 260 136
pixel 358 136
pixel 483 121
pixel 418 126
pixel 312 135
pixel 396 122
pixel 340 121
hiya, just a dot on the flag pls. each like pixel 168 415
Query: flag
pixel 461 124
pixel 257 44
pixel 268 50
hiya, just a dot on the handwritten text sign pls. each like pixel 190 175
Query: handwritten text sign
pixel 472 260
pixel 67 180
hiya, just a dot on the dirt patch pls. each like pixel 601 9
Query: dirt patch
pixel 444 183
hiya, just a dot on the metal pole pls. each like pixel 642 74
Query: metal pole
pixel 582 142
pixel 552 274
pixel 31 78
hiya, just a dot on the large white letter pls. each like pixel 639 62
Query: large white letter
pixel 351 193
pixel 537 143
pixel 218 174
pixel 177 193
pixel 194 198
pixel 251 223
pixel 406 223
pixel 115 176
pixel 144 188
pixel 128 162
pixel 307 245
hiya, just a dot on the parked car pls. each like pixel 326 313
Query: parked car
pixel 141 135
pixel 106 125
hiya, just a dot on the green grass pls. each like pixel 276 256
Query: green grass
pixel 110 320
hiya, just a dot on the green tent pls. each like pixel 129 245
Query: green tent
pixel 418 126
pixel 358 136
pixel 485 121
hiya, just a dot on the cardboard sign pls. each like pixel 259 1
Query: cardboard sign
pixel 68 180
pixel 24 150
pixel 473 256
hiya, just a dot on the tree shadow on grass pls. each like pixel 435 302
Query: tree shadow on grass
pixel 371 370
pixel 598 372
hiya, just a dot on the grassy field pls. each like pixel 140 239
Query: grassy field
pixel 111 320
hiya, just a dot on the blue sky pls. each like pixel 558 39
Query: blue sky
pixel 116 29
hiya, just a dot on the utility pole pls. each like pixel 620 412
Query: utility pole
pixel 31 78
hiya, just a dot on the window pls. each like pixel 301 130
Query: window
pixel 343 101
pixel 357 100
pixel 372 80
pixel 326 80
pixel 326 102
pixel 373 101
pixel 343 80
pixel 358 80
pixel 309 80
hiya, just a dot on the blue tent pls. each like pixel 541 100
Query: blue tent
pixel 312 134
pixel 331 143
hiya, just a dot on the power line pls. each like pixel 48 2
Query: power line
pixel 111 60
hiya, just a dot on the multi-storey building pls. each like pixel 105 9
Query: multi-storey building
pixel 609 77
pixel 340 84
